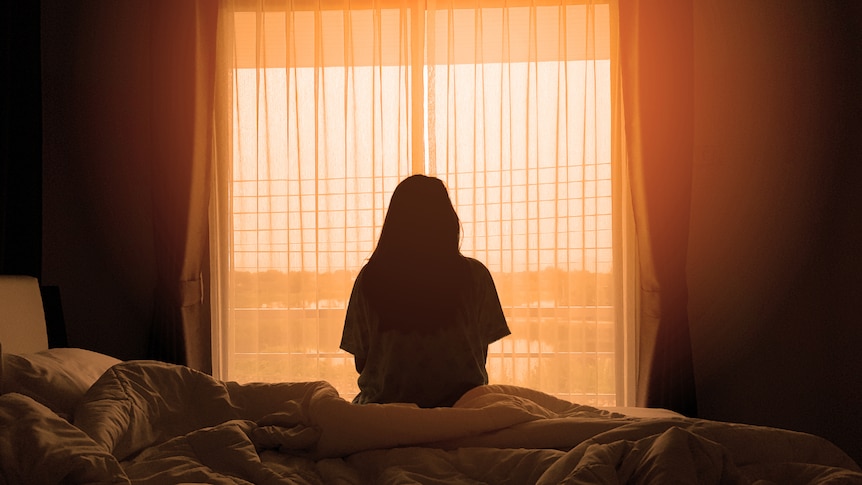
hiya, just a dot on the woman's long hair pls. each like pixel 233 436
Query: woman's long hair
pixel 416 276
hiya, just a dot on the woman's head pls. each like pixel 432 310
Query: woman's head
pixel 420 222
pixel 416 276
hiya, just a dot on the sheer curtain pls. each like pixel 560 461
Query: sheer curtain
pixel 324 107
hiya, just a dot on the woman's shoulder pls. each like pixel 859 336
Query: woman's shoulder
pixel 361 275
pixel 473 262
pixel 476 267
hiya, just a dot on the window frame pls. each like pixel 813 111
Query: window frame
pixel 624 274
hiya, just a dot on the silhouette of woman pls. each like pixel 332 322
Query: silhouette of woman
pixel 421 315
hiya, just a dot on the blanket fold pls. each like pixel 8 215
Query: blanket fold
pixel 166 423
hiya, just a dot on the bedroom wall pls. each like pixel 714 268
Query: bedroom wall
pixel 97 230
pixel 20 140
pixel 776 222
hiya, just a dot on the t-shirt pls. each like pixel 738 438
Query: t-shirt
pixel 430 368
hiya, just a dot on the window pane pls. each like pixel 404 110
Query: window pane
pixel 522 143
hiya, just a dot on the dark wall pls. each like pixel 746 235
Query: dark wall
pixel 97 231
pixel 20 140
pixel 775 269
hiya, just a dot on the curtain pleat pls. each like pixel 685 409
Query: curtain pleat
pixel 657 63
pixel 316 128
pixel 519 128
pixel 183 40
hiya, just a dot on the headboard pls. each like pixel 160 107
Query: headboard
pixel 22 316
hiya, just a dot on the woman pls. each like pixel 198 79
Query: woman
pixel 421 315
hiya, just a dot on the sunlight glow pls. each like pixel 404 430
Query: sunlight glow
pixel 319 150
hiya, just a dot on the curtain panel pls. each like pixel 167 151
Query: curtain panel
pixel 657 68
pixel 183 40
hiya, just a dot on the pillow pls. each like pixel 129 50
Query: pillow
pixel 56 378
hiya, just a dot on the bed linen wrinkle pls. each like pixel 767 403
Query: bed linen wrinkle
pixel 225 453
pixel 148 422
pixel 37 446
pixel 463 466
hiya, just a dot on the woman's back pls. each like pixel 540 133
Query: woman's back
pixel 429 365
pixel 421 315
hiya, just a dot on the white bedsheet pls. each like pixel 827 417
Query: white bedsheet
pixel 170 424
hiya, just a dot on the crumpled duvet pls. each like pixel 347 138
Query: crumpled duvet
pixel 169 424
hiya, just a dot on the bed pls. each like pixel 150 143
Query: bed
pixel 71 415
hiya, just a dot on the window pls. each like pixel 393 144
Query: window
pixel 329 109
